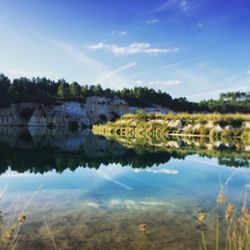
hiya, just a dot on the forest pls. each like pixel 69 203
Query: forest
pixel 43 90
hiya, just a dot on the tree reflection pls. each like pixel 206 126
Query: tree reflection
pixel 45 151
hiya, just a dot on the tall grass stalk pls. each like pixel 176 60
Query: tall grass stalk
pixel 50 234
pixel 203 240
pixel 9 236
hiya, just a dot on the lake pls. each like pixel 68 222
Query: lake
pixel 81 191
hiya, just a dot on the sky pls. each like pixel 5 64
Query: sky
pixel 191 48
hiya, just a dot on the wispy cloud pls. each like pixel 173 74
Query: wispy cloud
pixel 170 65
pixel 114 79
pixel 184 6
pixel 120 69
pixel 105 175
pixel 170 4
pixel 216 93
pixel 178 63
pixel 74 52
pixel 152 21
pixel 134 48
pixel 158 83
pixel 248 72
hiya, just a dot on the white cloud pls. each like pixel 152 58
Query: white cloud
pixel 153 21
pixel 134 48
pixel 158 83
pixel 111 73
pixel 248 72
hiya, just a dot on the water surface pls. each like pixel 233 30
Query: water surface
pixel 95 193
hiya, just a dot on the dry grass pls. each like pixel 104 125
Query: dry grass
pixel 237 222
pixel 9 234
pixel 218 126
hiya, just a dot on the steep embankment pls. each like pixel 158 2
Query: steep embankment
pixel 157 125
pixel 94 110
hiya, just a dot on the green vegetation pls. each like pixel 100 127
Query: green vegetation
pixel 229 152
pixel 135 153
pixel 141 124
pixel 43 90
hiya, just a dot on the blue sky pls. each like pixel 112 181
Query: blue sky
pixel 193 48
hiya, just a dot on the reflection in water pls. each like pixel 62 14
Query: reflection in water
pixel 42 150
pixel 117 197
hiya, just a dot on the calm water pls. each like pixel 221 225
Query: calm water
pixel 80 191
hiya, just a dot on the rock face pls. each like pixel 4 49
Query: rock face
pixel 67 114
pixel 94 110
pixel 58 140
pixel 16 114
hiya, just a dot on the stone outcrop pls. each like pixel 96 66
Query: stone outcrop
pixel 94 110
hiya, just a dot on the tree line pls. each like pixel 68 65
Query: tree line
pixel 44 90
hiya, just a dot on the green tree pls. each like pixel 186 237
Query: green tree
pixel 85 91
pixel 22 89
pixel 4 86
pixel 63 89
pixel 74 89
pixel 96 89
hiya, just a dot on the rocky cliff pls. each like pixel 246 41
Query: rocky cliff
pixel 94 110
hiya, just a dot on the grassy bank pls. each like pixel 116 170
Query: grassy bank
pixel 214 126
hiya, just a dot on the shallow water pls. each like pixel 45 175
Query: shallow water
pixel 80 191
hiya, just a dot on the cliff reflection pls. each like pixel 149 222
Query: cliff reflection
pixel 43 150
